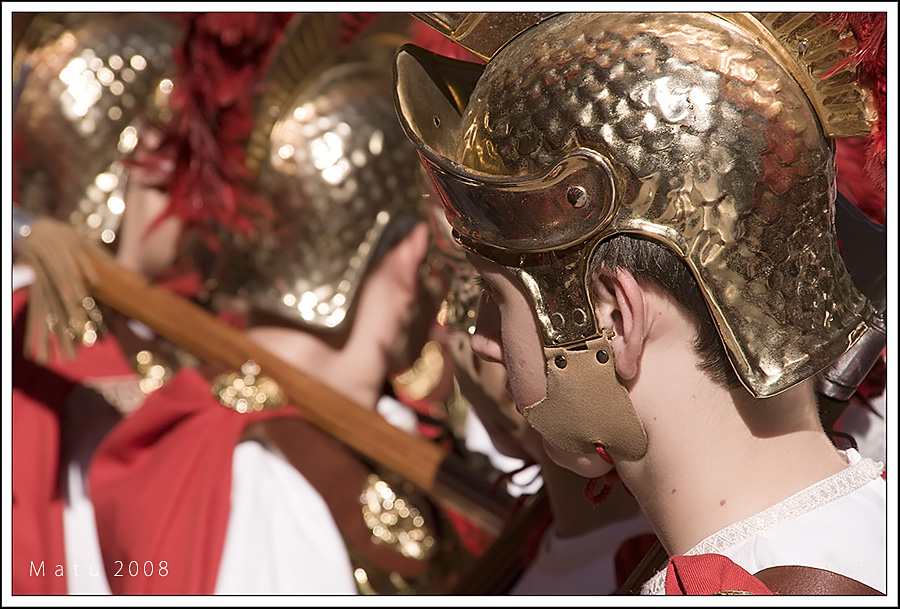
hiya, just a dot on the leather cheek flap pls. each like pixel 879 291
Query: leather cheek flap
pixel 586 405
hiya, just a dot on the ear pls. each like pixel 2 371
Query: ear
pixel 620 307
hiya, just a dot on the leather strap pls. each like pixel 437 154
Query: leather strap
pixel 798 580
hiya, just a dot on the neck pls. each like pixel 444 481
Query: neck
pixel 717 457
pixel 354 368
pixel 573 515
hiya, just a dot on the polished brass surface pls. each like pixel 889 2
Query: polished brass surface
pixel 307 49
pixel 87 84
pixel 330 156
pixel 423 376
pixel 819 56
pixel 395 521
pixel 459 311
pixel 678 127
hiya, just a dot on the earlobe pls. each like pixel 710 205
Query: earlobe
pixel 620 308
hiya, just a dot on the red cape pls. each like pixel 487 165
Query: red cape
pixel 39 395
pixel 161 488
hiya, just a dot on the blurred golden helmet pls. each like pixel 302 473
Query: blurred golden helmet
pixel 329 155
pixel 86 85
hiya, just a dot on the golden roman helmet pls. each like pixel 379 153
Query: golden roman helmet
pixel 85 86
pixel 709 133
pixel 329 154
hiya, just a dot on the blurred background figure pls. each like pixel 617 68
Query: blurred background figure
pixel 87 88
pixel 272 169
pixel 315 231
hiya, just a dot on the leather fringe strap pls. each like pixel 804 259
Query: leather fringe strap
pixel 60 309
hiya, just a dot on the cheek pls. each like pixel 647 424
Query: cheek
pixel 524 357
pixel 486 341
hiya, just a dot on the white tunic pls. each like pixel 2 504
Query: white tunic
pixel 838 524
pixel 579 565
pixel 281 537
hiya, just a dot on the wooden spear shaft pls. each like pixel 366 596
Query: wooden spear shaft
pixel 442 476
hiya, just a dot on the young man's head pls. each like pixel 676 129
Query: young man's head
pixel 690 151
pixel 330 158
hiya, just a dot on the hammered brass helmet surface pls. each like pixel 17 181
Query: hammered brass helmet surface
pixel 336 167
pixel 682 128
pixel 86 86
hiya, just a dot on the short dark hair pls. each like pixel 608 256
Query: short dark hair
pixel 649 260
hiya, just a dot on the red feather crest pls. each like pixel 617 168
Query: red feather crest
pixel 862 162
pixel 220 63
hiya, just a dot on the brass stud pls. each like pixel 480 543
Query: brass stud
pixel 577 196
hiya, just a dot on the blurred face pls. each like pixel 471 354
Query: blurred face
pixel 144 247
pixel 484 385
pixel 508 333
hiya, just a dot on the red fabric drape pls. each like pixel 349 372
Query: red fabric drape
pixel 39 395
pixel 161 487
pixel 706 574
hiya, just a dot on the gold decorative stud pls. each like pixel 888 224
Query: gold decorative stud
pixel 247 391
